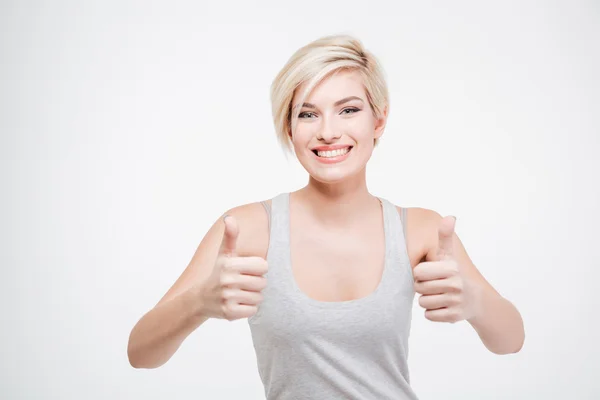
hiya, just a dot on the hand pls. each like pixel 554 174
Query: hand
pixel 233 290
pixel 447 295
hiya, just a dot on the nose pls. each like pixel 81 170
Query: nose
pixel 328 132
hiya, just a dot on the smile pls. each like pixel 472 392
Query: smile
pixel 332 156
pixel 332 153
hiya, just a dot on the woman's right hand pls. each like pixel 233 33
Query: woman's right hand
pixel 233 289
pixel 217 283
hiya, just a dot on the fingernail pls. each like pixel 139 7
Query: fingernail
pixel 225 216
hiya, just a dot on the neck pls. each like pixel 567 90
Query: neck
pixel 340 202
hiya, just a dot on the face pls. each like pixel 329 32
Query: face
pixel 335 131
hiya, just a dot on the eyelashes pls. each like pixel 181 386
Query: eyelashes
pixel 312 115
pixel 353 109
pixel 305 115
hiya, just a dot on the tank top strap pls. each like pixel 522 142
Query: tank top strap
pixel 280 222
pixel 267 208
pixel 396 249
pixel 279 242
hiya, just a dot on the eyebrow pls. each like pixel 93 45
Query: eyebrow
pixel 337 103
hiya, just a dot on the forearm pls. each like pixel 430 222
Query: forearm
pixel 499 324
pixel 160 332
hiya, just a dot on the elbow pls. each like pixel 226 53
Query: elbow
pixel 134 362
pixel 133 356
pixel 135 353
pixel 137 361
pixel 514 338
pixel 521 337
pixel 507 351
pixel 512 349
pixel 140 359
pixel 520 345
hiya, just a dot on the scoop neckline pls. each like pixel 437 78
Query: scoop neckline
pixel 344 304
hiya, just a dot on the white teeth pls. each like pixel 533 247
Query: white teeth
pixel 333 153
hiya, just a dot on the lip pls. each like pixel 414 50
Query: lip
pixel 332 160
pixel 330 147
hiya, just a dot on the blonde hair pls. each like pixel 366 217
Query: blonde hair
pixel 314 62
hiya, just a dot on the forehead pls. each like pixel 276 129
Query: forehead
pixel 339 85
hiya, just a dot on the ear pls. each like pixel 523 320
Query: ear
pixel 380 123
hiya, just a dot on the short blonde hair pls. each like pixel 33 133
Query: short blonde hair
pixel 314 62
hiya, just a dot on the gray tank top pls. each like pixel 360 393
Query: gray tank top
pixel 356 349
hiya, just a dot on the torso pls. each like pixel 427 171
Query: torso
pixel 329 264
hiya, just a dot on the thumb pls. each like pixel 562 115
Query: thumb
pixel 445 248
pixel 230 235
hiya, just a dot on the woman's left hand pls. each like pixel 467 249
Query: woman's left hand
pixel 447 295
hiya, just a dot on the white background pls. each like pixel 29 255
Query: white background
pixel 128 128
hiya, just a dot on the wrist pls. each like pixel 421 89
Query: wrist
pixel 477 304
pixel 193 300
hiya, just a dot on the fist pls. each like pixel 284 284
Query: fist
pixel 233 290
pixel 446 293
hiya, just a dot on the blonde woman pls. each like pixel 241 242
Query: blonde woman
pixel 326 275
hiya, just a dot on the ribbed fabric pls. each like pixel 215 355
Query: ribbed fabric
pixel 357 349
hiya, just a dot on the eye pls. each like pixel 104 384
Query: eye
pixel 306 114
pixel 350 110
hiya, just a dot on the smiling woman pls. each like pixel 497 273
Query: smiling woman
pixel 326 275
pixel 311 64
pixel 338 124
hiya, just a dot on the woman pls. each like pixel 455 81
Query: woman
pixel 327 275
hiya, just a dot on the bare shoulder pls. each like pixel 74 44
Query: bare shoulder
pixel 252 241
pixel 421 226
pixel 253 224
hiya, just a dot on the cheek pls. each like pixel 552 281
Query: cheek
pixel 303 133
pixel 300 138
pixel 360 128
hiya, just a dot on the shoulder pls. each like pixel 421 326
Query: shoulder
pixel 420 218
pixel 253 225
pixel 421 229
pixel 422 215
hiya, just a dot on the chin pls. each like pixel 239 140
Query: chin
pixel 329 177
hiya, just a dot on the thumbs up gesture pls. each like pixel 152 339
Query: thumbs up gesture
pixel 233 289
pixel 447 295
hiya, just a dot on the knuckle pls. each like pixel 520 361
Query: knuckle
pixel 263 283
pixel 252 311
pixel 455 316
pixel 455 300
pixel 417 274
pixel 227 294
pixel 264 267
pixel 457 285
pixel 225 279
pixel 454 266
pixel 428 315
pixel 226 264
pixel 227 312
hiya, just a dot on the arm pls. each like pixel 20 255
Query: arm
pixel 495 319
pixel 162 330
